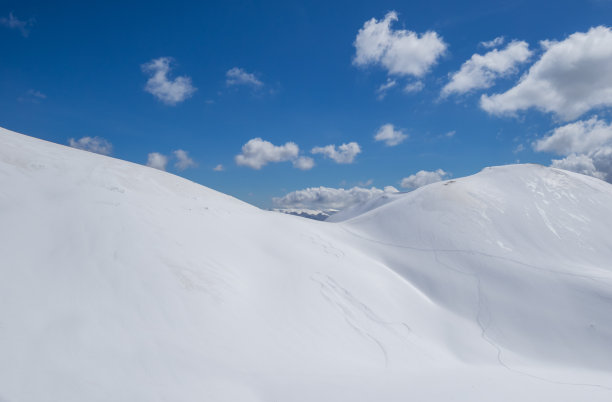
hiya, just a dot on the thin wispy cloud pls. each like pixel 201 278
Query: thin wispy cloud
pixel 32 96
pixel 238 76
pixel 493 43
pixel 161 86
pixel 382 90
pixel 12 22
pixel 412 87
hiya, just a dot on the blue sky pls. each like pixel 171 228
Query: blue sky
pixel 73 69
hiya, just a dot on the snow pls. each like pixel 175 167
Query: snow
pixel 125 283
pixel 363 207
pixel 316 214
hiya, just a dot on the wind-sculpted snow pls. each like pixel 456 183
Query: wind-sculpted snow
pixel 124 283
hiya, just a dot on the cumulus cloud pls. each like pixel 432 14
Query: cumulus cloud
pixel 238 76
pixel 257 153
pixel 219 168
pixel 493 43
pixel 329 198
pixel 344 153
pixel 580 164
pixel 579 137
pixel 571 77
pixel 303 163
pixel 169 91
pixel 585 144
pixel 157 160
pixel 13 22
pixel 400 52
pixel 481 71
pixel 390 135
pixel 92 144
pixel 183 161
pixel 423 178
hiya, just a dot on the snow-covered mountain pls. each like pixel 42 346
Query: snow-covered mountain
pixel 316 214
pixel 125 283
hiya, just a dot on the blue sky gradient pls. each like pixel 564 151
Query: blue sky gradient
pixel 74 70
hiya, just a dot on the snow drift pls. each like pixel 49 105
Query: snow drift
pixel 125 283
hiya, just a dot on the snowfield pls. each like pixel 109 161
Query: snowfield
pixel 119 282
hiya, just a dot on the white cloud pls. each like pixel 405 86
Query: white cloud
pixel 585 144
pixel 162 87
pixel 400 52
pixel 583 136
pixel 92 144
pixel 304 163
pixel 183 161
pixel 157 161
pixel 344 153
pixel 13 22
pixel 580 164
pixel 219 168
pixel 257 153
pixel 416 86
pixel 493 43
pixel 390 135
pixel 329 198
pixel 572 77
pixel 382 90
pixel 481 71
pixel 422 178
pixel 238 76
pixel 450 134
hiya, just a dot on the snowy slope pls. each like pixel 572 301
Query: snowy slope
pixel 533 241
pixel 363 207
pixel 124 283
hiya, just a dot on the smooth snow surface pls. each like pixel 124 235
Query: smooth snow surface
pixel 124 283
